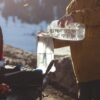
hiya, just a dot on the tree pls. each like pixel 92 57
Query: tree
pixel 34 11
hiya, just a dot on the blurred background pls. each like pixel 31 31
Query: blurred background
pixel 21 20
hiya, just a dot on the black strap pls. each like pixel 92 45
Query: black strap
pixel 49 67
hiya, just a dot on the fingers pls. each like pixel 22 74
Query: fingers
pixel 65 20
pixel 61 23
pixel 41 34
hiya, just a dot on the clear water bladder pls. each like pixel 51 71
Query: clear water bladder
pixel 71 32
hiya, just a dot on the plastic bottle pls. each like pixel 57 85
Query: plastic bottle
pixel 71 32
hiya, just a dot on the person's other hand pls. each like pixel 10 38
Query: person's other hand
pixel 4 88
pixel 41 34
pixel 65 20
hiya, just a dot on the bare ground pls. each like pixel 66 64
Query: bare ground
pixel 51 93
pixel 19 56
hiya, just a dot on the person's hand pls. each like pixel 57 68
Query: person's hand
pixel 65 20
pixel 4 88
pixel 41 34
